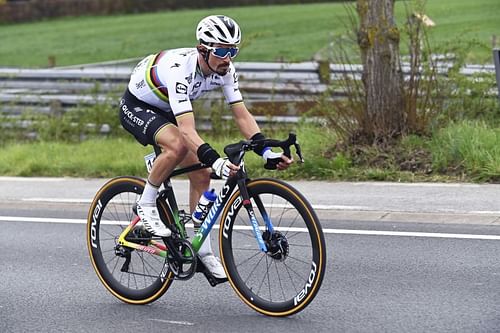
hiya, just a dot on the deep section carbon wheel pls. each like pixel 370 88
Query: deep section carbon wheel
pixel 286 279
pixel 132 275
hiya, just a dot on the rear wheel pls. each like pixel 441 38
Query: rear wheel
pixel 286 279
pixel 133 276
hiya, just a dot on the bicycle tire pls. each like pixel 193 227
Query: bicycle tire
pixel 252 273
pixel 109 214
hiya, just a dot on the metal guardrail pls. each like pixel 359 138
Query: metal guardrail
pixel 68 87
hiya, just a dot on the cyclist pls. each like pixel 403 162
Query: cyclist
pixel 156 108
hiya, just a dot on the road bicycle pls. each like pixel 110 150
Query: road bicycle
pixel 271 242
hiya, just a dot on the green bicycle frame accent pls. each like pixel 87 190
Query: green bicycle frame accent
pixel 213 214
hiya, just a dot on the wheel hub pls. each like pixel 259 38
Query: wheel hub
pixel 277 245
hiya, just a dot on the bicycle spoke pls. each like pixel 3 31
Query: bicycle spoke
pixel 141 259
pixel 244 233
pixel 279 280
pixel 113 236
pixel 148 264
pixel 288 236
pixel 288 267
pixel 142 275
pixel 263 279
pixel 116 264
pixel 268 279
pixel 247 260
pixel 291 225
pixel 290 277
pixel 298 245
pixel 108 251
pixel 299 260
pixel 255 267
pixel 247 249
pixel 131 268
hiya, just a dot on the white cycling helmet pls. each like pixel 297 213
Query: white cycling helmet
pixel 218 29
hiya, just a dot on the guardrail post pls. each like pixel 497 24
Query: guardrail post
pixel 56 109
pixel 496 59
pixel 324 71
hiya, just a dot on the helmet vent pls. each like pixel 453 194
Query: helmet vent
pixel 209 34
pixel 220 30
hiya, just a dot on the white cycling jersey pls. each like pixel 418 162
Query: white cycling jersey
pixel 171 79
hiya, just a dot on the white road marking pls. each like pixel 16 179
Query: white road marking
pixel 410 234
pixel 185 323
pixel 40 219
pixel 57 200
pixel 325 230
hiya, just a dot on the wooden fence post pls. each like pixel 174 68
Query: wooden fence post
pixel 496 59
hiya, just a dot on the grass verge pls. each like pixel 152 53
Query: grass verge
pixel 467 151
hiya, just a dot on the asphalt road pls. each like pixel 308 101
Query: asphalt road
pixel 388 270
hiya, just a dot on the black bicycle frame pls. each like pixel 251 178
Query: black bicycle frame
pixel 239 180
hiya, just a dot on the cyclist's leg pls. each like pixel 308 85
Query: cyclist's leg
pixel 169 139
pixel 199 180
pixel 172 153
pixel 150 125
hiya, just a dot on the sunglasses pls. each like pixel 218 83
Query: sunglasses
pixel 222 52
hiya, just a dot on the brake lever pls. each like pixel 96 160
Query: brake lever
pixel 292 140
pixel 284 145
pixel 299 152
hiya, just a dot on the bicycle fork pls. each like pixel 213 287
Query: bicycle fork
pixel 247 203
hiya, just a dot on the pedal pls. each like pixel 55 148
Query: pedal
pixel 212 280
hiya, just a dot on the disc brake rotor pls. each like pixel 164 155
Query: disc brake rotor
pixel 277 245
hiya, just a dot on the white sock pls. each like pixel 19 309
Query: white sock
pixel 148 197
pixel 206 247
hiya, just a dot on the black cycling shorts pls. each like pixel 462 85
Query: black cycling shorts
pixel 143 120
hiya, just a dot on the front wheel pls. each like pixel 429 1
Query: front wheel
pixel 286 279
pixel 132 275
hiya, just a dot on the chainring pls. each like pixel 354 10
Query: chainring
pixel 184 266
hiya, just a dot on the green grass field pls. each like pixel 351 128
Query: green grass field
pixel 270 33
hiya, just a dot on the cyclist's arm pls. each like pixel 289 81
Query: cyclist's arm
pixel 206 154
pixel 244 120
pixel 186 125
pixel 248 127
